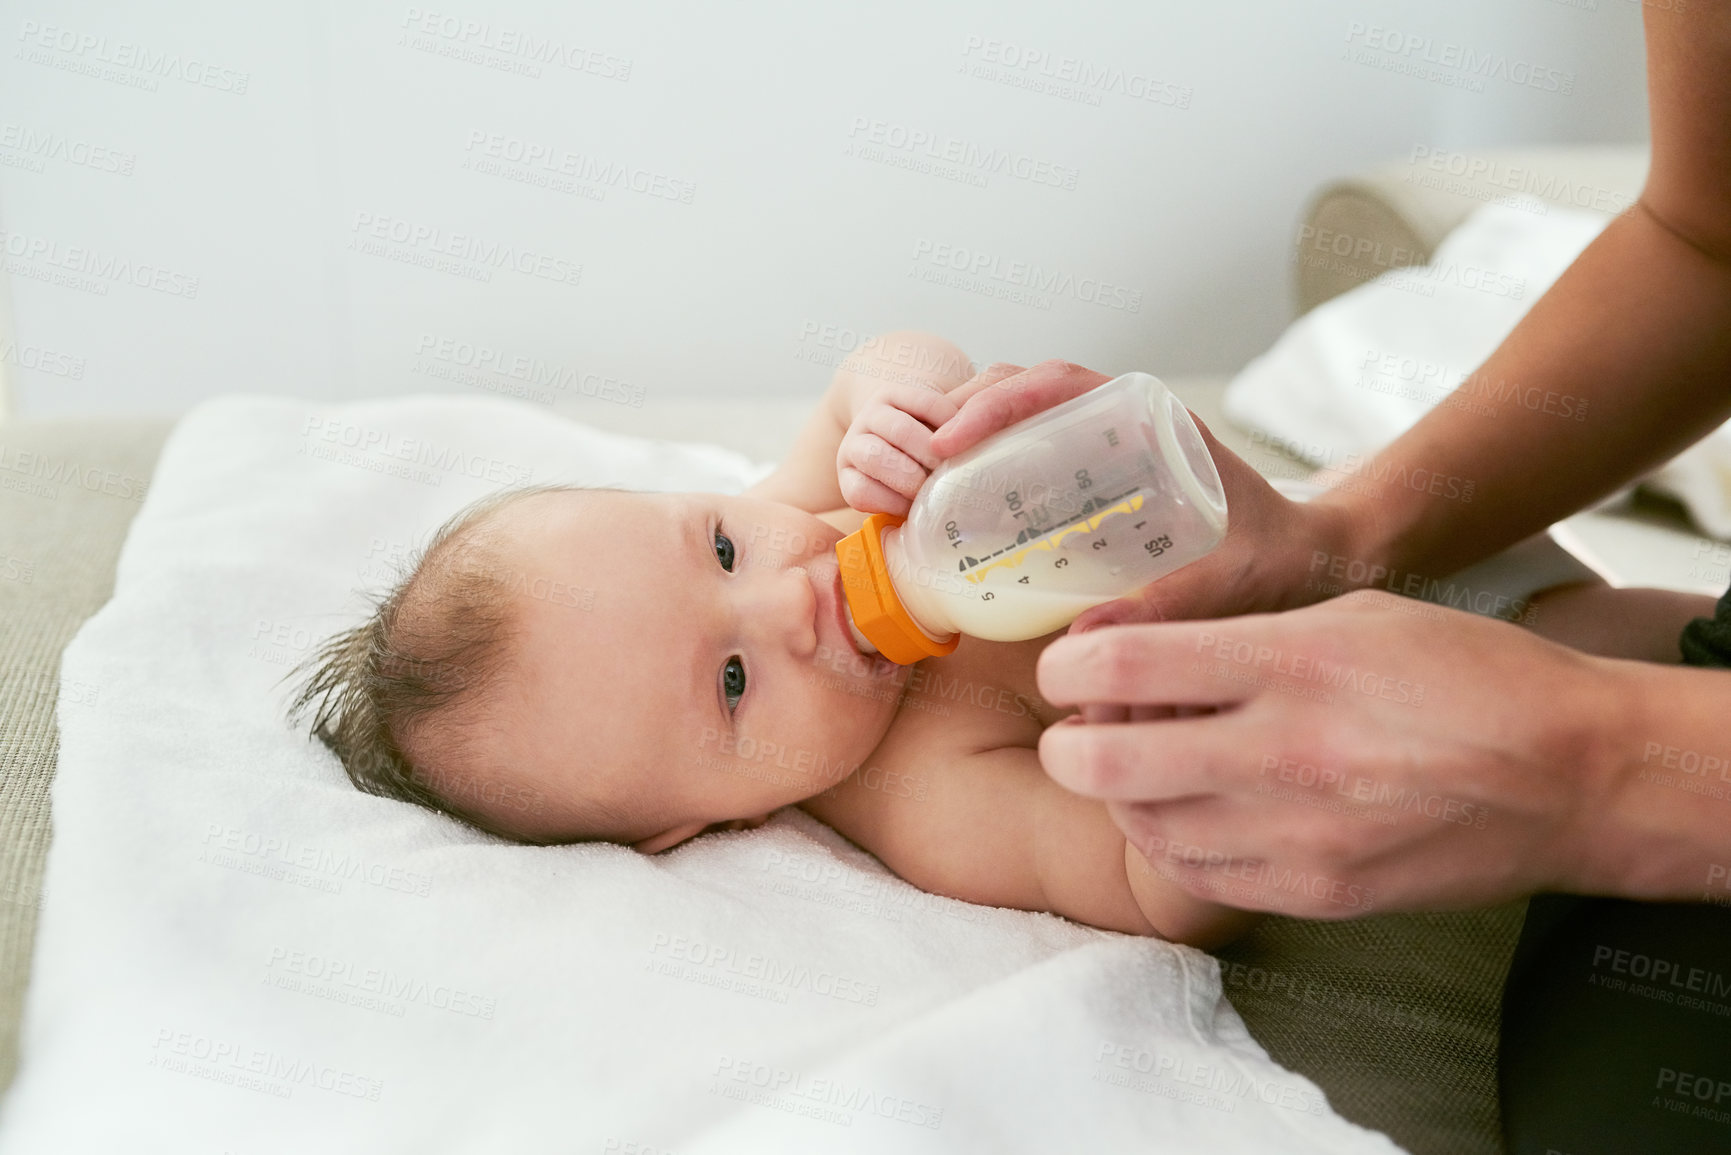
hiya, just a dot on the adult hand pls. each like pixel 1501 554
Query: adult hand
pixel 1005 394
pixel 1360 754
pixel 1263 564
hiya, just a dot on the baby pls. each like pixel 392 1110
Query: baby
pixel 569 664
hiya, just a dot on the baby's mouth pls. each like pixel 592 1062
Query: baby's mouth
pixel 844 616
pixel 860 642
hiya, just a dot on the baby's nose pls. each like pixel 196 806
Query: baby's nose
pixel 786 608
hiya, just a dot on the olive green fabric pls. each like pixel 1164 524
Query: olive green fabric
pixel 68 490
pixel 1395 1017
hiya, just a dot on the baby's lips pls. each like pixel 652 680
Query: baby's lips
pixel 825 576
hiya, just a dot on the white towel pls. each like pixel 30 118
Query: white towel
pixel 240 952
pixel 1359 370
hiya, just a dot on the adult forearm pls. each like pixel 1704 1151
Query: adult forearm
pixel 1621 365
pixel 1663 831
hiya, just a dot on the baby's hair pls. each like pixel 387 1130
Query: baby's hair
pixel 432 645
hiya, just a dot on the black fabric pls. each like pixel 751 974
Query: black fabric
pixel 1617 1015
pixel 1707 641
pixel 1617 1029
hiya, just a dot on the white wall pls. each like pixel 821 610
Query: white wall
pixel 267 141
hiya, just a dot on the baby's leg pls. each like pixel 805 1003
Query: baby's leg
pixel 1643 624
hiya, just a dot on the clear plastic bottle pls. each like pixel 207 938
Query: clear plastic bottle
pixel 1013 538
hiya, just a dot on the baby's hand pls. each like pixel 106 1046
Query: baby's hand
pixel 886 454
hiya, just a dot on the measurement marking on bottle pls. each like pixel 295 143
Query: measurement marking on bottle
pixel 1019 552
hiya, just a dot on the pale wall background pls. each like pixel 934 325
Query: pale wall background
pixel 235 158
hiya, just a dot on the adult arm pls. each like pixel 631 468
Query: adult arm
pixel 1639 328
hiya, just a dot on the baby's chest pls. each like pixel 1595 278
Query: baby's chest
pixel 983 695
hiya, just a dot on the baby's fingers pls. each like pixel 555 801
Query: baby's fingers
pixel 870 496
pixel 992 374
pixel 884 463
pixel 927 405
pixel 901 430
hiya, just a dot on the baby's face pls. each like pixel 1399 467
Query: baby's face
pixel 684 655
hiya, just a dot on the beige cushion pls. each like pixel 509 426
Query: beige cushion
pixel 68 490
pixel 1394 215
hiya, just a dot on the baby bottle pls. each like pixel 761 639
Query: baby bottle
pixel 1013 538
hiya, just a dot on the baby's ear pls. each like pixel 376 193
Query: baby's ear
pixel 656 843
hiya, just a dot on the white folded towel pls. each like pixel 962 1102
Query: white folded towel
pixel 240 952
pixel 1357 371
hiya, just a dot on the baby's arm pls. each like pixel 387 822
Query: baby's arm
pixel 806 477
pixel 993 828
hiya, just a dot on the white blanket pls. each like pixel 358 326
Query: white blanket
pixel 1358 370
pixel 240 952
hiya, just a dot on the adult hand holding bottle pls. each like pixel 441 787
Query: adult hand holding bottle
pixel 1260 566
pixel 1556 746
pixel 902 434
pixel 1238 754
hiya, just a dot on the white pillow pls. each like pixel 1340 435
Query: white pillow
pixel 1360 369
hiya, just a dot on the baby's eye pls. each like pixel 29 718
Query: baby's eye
pixel 733 682
pixel 724 551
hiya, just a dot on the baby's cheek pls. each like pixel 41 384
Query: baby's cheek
pixel 865 678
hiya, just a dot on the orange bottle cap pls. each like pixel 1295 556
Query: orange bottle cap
pixel 877 612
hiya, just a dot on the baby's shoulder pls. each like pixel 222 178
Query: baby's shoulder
pixel 981 697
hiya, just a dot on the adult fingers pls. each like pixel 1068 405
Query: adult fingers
pixel 1197 846
pixel 1151 761
pixel 1001 404
pixel 1102 713
pixel 1163 664
pixel 992 374
pixel 1191 834
pixel 1265 553
pixel 928 405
